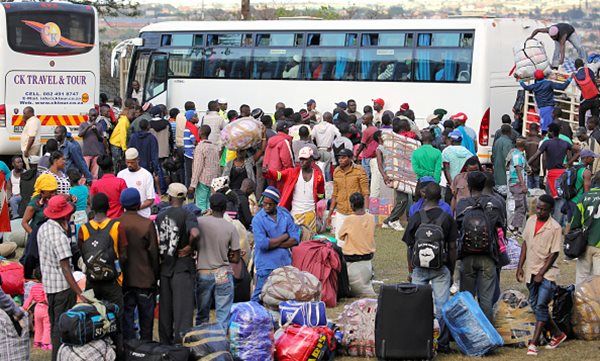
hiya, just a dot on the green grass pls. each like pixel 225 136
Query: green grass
pixel 390 267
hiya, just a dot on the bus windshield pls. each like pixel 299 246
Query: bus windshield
pixel 50 32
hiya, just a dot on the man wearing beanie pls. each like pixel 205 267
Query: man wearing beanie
pixel 274 234
pixel 177 232
pixel 141 271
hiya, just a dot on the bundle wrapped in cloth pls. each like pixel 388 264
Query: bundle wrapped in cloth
pixel 242 134
pixel 529 57
pixel 357 323
pixel 251 332
pixel 586 311
pixel 513 318
pixel 290 284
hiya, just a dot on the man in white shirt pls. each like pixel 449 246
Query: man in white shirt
pixel 30 137
pixel 137 92
pixel 140 179
pixel 324 134
pixel 214 121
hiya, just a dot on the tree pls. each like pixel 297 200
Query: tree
pixel 106 7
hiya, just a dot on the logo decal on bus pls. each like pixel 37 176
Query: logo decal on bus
pixel 51 35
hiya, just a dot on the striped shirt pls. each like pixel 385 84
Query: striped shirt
pixel 189 143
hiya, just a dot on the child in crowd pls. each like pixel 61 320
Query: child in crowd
pixel 79 194
pixel 41 320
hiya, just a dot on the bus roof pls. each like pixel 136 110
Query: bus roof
pixel 320 25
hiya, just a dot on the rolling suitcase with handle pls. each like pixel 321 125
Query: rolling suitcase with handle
pixel 404 322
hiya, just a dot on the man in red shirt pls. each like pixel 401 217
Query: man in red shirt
pixel 368 145
pixel 110 185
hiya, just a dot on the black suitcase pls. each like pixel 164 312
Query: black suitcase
pixel 404 322
pixel 137 350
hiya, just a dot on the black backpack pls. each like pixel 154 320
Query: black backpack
pixel 566 183
pixel 477 231
pixel 99 255
pixel 429 249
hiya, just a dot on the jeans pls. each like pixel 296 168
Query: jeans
pixel 533 181
pixel 188 162
pixel 540 295
pixel 593 105
pixel 202 195
pixel 144 300
pixel 441 280
pixel 206 286
pixel 400 207
pixel 181 170
pixel 575 40
pixel 14 205
pixel 588 264
pixel 366 164
pixel 58 303
pixel 261 278
pixel 558 214
pixel 478 275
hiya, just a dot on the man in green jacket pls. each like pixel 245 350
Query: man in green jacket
pixel 427 160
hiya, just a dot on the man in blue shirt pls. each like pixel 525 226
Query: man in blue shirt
pixel 72 152
pixel 543 92
pixel 274 234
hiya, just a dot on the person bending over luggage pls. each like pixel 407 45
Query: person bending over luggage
pixel 431 239
pixel 274 234
pixel 479 217
pixel 358 234
pixel 104 237
pixel 538 269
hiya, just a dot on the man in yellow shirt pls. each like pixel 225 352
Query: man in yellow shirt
pixel 118 139
pixel 103 245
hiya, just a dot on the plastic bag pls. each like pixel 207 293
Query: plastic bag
pixel 586 313
pixel 302 343
pixel 562 309
pixel 357 324
pixel 310 314
pixel 513 318
pixel 251 332
pixel 208 340
pixel 242 134
pixel 13 278
pixel 472 331
pixel 513 251
pixel 289 283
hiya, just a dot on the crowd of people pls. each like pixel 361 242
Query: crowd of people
pixel 148 206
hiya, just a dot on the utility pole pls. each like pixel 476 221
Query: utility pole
pixel 245 9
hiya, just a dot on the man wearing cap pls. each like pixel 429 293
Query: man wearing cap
pixel 72 152
pixel 278 154
pixel 311 106
pixel 348 178
pixel 205 168
pixel 147 146
pixel 139 178
pixel 55 264
pixel 304 140
pixel 94 143
pixel 367 143
pixel 561 33
pixel 177 232
pixel 303 187
pixel 275 232
pixel 588 264
pixel 469 137
pixel 543 92
pixel 454 156
pixel 118 138
pixel 340 108
pixel 324 134
pixel 214 121
pixel 378 105
pixel 222 108
pixel 292 69
pixel 141 271
pixel 190 139
pixel 218 245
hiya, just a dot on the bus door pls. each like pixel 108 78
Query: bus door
pixel 155 81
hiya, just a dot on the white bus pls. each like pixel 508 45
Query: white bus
pixel 49 60
pixel 461 65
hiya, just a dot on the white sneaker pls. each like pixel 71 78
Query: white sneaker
pixel 454 289
pixel 385 225
pixel 397 226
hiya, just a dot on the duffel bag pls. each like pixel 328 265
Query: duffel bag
pixel 13 278
pixel 97 350
pixel 207 340
pixel 289 283
pixel 310 314
pixel 302 343
pixel 136 350
pixel 88 322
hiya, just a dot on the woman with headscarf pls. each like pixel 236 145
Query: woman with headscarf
pixel 57 169
pixel 45 187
